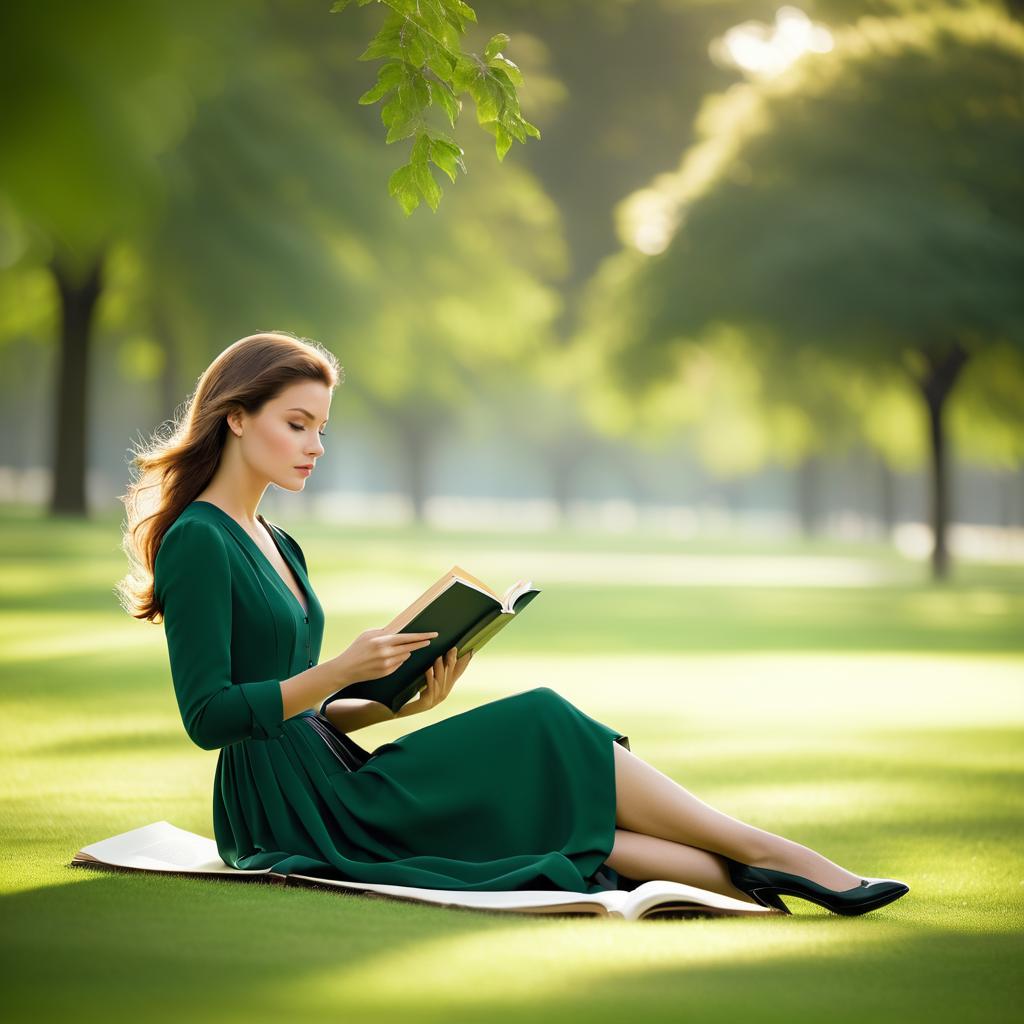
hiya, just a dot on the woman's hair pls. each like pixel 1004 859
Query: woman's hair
pixel 182 455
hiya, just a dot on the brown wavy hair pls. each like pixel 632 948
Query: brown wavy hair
pixel 180 458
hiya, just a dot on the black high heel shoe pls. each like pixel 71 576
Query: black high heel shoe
pixel 766 886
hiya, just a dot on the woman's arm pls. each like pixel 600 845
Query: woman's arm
pixel 307 689
pixel 351 713
pixel 192 581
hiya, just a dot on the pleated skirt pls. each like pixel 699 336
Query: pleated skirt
pixel 518 793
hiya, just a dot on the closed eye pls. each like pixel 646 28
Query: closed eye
pixel 298 426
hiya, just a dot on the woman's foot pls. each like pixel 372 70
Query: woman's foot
pixel 786 855
pixel 769 885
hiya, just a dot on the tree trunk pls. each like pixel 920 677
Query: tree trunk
pixel 734 494
pixel 563 457
pixel 936 384
pixel 416 445
pixel 887 497
pixel 1006 485
pixel 560 464
pixel 170 380
pixel 809 496
pixel 79 293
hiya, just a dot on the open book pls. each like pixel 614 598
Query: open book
pixel 163 847
pixel 466 614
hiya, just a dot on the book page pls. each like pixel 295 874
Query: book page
pixel 518 588
pixel 527 900
pixel 455 574
pixel 161 846
pixel 678 896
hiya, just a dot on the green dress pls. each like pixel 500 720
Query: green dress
pixel 518 793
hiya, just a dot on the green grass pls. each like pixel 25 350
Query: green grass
pixel 881 724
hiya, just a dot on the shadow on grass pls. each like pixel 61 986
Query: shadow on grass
pixel 160 949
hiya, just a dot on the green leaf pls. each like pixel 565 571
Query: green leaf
pixel 514 126
pixel 502 140
pixel 402 186
pixel 487 98
pixel 445 142
pixel 465 74
pixel 401 128
pixel 510 69
pixel 446 99
pixel 432 17
pixel 399 118
pixel 442 64
pixel 414 92
pixel 448 157
pixel 421 149
pixel 506 92
pixel 494 45
pixel 339 5
pixel 412 45
pixel 455 19
pixel 426 184
pixel 387 78
pixel 387 42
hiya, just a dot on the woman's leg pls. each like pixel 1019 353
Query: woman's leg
pixel 643 857
pixel 650 803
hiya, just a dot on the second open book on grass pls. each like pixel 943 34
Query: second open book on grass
pixel 465 613
pixel 163 848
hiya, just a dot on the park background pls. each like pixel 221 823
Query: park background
pixel 729 360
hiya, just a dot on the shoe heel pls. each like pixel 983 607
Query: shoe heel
pixel 769 898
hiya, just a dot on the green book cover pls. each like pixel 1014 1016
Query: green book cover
pixel 466 615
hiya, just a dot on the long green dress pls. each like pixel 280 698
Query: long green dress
pixel 518 793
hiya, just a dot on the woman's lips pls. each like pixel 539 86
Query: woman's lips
pixel 304 469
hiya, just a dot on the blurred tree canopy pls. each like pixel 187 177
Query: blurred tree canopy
pixel 177 176
pixel 866 203
pixel 248 202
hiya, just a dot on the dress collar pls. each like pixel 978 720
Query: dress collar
pixel 243 537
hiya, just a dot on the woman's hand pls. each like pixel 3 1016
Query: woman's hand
pixel 375 654
pixel 441 678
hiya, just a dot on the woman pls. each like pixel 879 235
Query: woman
pixel 522 792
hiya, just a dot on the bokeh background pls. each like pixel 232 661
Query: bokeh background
pixel 730 362
pixel 758 258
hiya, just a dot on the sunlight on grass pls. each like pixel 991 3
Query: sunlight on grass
pixel 880 725
pixel 466 970
pixel 673 570
pixel 34 637
pixel 765 691
pixel 23 579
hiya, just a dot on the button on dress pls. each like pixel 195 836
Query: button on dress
pixel 518 793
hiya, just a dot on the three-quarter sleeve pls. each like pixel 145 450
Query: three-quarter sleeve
pixel 192 583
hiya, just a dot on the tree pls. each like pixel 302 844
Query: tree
pixel 866 202
pixel 455 305
pixel 214 187
pixel 92 97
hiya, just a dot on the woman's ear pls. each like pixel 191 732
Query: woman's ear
pixel 235 423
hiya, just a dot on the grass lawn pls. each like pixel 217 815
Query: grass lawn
pixel 828 693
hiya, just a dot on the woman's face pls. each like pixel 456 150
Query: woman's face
pixel 285 434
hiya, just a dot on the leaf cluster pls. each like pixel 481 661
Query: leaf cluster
pixel 424 66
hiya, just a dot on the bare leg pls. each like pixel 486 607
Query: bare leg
pixel 652 804
pixel 643 857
